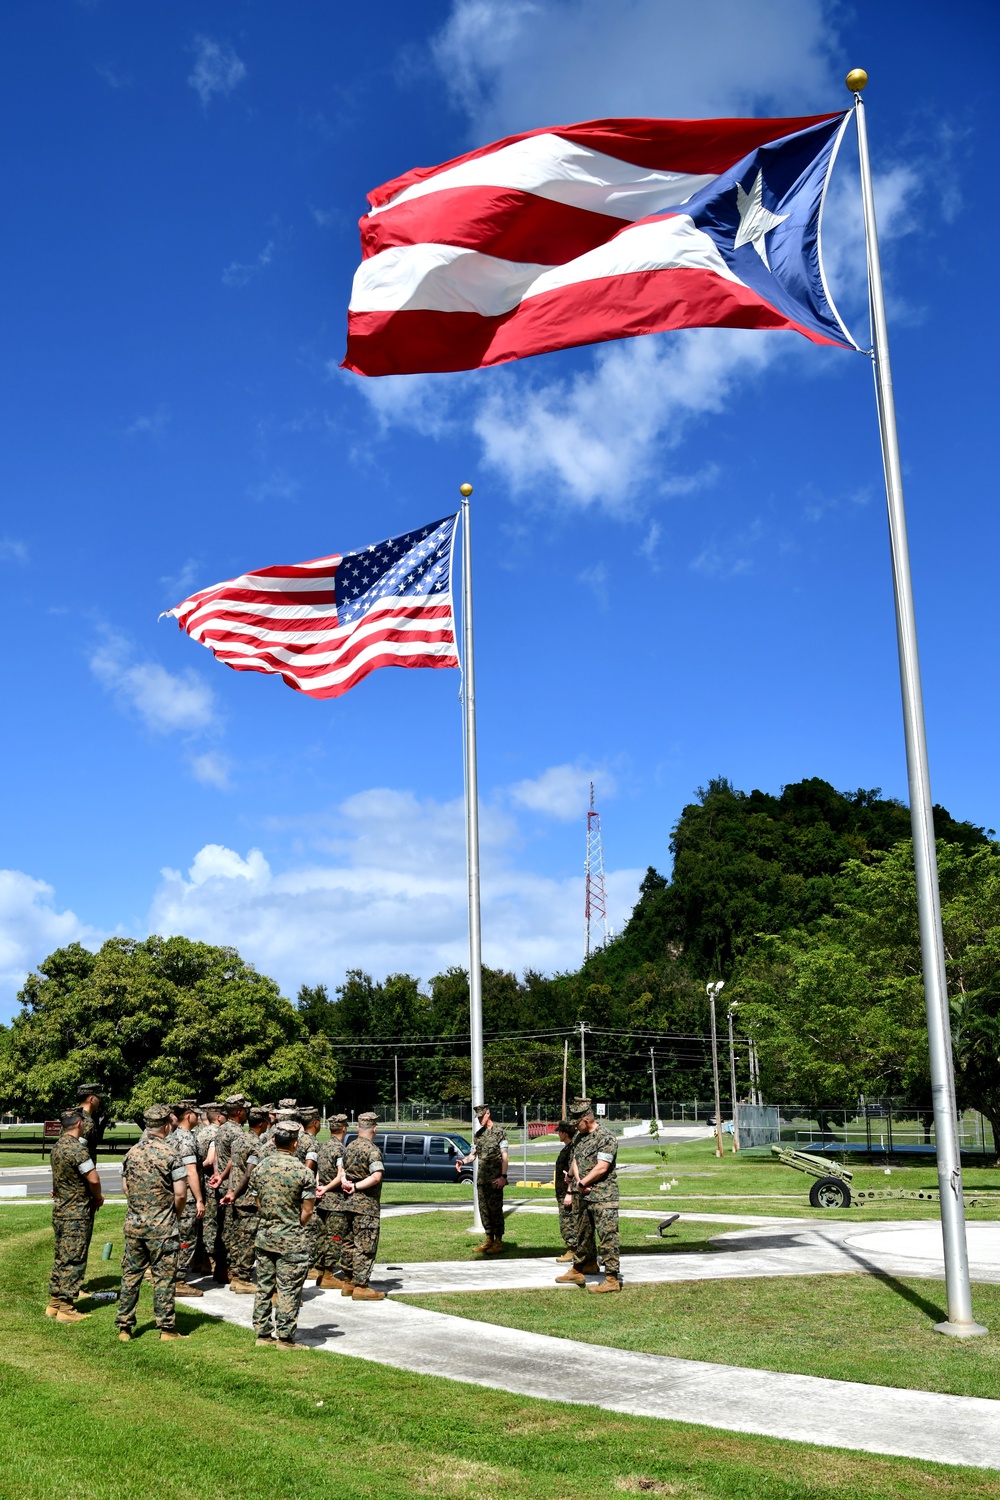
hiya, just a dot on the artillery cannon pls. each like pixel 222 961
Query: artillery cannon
pixel 832 1188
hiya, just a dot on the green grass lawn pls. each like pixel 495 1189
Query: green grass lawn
pixel 878 1330
pixel 85 1418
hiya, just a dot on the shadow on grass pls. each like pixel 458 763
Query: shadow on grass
pixel 930 1310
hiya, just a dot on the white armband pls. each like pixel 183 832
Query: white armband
pixel 308 1193
pixel 179 1174
pixel 189 1161
pixel 607 1156
pixel 85 1167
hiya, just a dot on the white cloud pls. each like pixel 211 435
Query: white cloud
pixel 212 769
pixel 239 273
pixel 30 928
pixel 516 66
pixel 13 550
pixel 152 424
pixel 277 486
pixel 178 585
pixel 392 897
pixel 597 438
pixel 217 69
pixel 562 792
pixel 166 702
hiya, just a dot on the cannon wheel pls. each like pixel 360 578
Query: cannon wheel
pixel 830 1192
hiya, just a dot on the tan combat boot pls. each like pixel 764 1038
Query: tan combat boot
pixel 185 1289
pixel 167 1335
pixel 53 1308
pixel 609 1284
pixel 124 1337
pixel 590 1266
pixel 264 1341
pixel 286 1344
pixel 482 1249
pixel 572 1277
pixel 242 1288
pixel 367 1294
pixel 495 1247
pixel 329 1283
pixel 346 1287
pixel 68 1314
pixel 565 1259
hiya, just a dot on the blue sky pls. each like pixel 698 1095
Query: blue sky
pixel 681 556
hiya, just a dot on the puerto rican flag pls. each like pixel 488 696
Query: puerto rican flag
pixel 602 230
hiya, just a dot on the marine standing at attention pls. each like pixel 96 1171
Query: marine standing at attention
pixel 236 1113
pixel 285 1189
pixel 363 1169
pixel 242 1207
pixel 156 1188
pixel 182 1139
pixel 594 1197
pixel 76 1194
pixel 205 1144
pixel 564 1161
pixel 330 1207
pixel 489 1148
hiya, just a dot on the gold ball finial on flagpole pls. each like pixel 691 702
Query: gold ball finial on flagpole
pixel 856 80
pixel 465 489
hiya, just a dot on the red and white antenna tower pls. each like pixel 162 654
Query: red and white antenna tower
pixel 595 907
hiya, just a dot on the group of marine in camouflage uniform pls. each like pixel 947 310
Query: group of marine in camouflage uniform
pixel 242 1191
pixel 227 1189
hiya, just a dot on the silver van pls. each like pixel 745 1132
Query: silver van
pixel 420 1156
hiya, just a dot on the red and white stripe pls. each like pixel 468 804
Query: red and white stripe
pixel 544 241
pixel 284 620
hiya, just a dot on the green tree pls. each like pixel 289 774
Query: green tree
pixel 839 1010
pixel 154 1020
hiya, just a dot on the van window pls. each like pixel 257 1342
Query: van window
pixel 439 1146
pixel 393 1145
pixel 414 1145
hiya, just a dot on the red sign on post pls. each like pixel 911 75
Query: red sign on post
pixel 50 1129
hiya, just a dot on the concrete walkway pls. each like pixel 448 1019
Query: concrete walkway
pixel 839 1414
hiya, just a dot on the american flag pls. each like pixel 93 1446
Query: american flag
pixel 325 624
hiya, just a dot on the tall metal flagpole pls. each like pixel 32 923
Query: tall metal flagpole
pixel 960 1322
pixel 472 837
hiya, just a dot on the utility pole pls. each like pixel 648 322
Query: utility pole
pixel 583 1027
pixel 732 1080
pixel 565 1072
pixel 395 1058
pixel 713 990
pixel 652 1069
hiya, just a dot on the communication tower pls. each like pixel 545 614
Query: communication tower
pixel 595 907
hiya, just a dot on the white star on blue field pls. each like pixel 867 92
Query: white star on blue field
pixel 415 565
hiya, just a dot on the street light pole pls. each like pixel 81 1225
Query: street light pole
pixel 583 1027
pixel 652 1069
pixel 713 990
pixel 732 1079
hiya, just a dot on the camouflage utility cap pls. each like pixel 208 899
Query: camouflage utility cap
pixel 214 1105
pixel 579 1108
pixel 284 1135
pixel 156 1114
pixel 70 1117
pixel 84 1090
pixel 258 1116
pixel 368 1118
pixel 480 1109
pixel 183 1107
pixel 308 1112
pixel 339 1120
pixel 288 1104
pixel 236 1101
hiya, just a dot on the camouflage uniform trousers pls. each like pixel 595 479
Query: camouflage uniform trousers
pixel 209 1224
pixel 284 1275
pixel 160 1255
pixel 242 1225
pixel 491 1209
pixel 73 1233
pixel 567 1225
pixel 331 1232
pixel 596 1224
pixel 360 1245
pixel 187 1229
